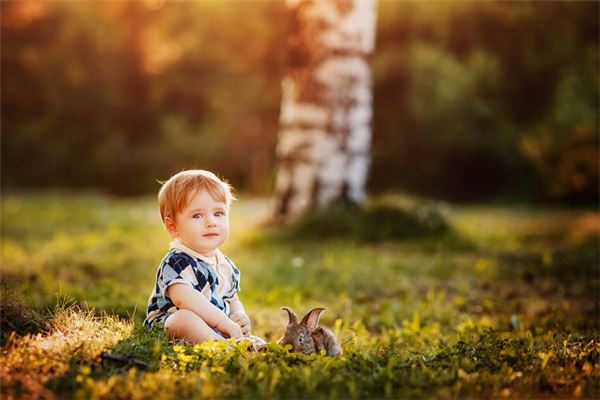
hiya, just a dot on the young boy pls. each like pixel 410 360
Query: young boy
pixel 195 294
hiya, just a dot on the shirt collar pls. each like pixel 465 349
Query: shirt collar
pixel 177 245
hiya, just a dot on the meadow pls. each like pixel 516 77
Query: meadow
pixel 430 300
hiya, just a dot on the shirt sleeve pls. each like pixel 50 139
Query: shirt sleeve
pixel 181 268
pixel 235 276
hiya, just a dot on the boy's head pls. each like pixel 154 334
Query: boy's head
pixel 194 207
pixel 175 193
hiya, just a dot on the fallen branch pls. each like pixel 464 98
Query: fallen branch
pixel 124 359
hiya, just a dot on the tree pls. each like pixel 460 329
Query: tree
pixel 324 136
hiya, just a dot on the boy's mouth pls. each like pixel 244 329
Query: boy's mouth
pixel 210 234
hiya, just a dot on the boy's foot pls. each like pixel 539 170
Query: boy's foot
pixel 255 343
pixel 258 343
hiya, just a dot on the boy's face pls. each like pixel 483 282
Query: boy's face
pixel 203 225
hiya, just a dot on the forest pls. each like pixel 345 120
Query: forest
pixel 505 93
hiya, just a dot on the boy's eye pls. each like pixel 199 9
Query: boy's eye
pixel 219 214
pixel 197 216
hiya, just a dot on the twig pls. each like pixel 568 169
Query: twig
pixel 124 359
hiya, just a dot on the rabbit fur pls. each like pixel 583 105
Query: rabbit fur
pixel 307 336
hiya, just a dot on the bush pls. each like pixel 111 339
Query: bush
pixel 370 224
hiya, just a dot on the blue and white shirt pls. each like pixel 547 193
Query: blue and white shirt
pixel 217 278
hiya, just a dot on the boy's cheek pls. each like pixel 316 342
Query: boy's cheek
pixel 226 231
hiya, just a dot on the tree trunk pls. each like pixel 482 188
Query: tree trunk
pixel 325 134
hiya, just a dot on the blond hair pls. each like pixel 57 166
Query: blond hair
pixel 175 193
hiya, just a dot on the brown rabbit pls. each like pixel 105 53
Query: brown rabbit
pixel 307 336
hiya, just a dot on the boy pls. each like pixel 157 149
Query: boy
pixel 195 294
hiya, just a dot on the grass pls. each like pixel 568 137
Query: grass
pixel 429 300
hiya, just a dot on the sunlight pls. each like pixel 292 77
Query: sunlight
pixel 160 52
pixel 22 13
pixel 73 332
pixel 154 4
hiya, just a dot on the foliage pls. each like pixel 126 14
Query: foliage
pixel 468 98
pixel 514 314
pixel 93 90
pixel 471 99
pixel 564 148
pixel 370 223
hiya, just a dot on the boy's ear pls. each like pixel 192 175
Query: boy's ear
pixel 170 226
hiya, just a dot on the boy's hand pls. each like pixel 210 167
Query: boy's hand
pixel 230 329
pixel 243 321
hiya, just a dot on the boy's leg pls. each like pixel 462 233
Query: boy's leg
pixel 185 324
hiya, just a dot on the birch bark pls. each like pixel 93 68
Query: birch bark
pixel 325 135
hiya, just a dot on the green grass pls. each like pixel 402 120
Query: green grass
pixel 429 300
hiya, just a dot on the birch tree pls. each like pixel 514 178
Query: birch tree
pixel 325 135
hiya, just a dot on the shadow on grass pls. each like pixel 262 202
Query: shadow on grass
pixel 573 265
pixel 371 224
pixel 559 288
pixel 16 317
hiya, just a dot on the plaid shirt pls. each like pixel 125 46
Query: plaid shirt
pixel 218 280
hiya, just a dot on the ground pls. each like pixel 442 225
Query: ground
pixel 429 299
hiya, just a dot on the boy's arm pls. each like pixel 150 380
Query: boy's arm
pixel 239 316
pixel 186 297
pixel 236 305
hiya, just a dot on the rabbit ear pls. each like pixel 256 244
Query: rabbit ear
pixel 291 314
pixel 311 319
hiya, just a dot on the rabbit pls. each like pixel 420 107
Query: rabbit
pixel 307 336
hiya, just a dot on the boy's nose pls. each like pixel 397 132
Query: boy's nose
pixel 210 222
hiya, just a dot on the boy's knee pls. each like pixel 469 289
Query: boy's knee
pixel 185 324
pixel 179 318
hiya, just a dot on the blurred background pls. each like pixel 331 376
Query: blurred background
pixel 472 100
pixel 482 217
